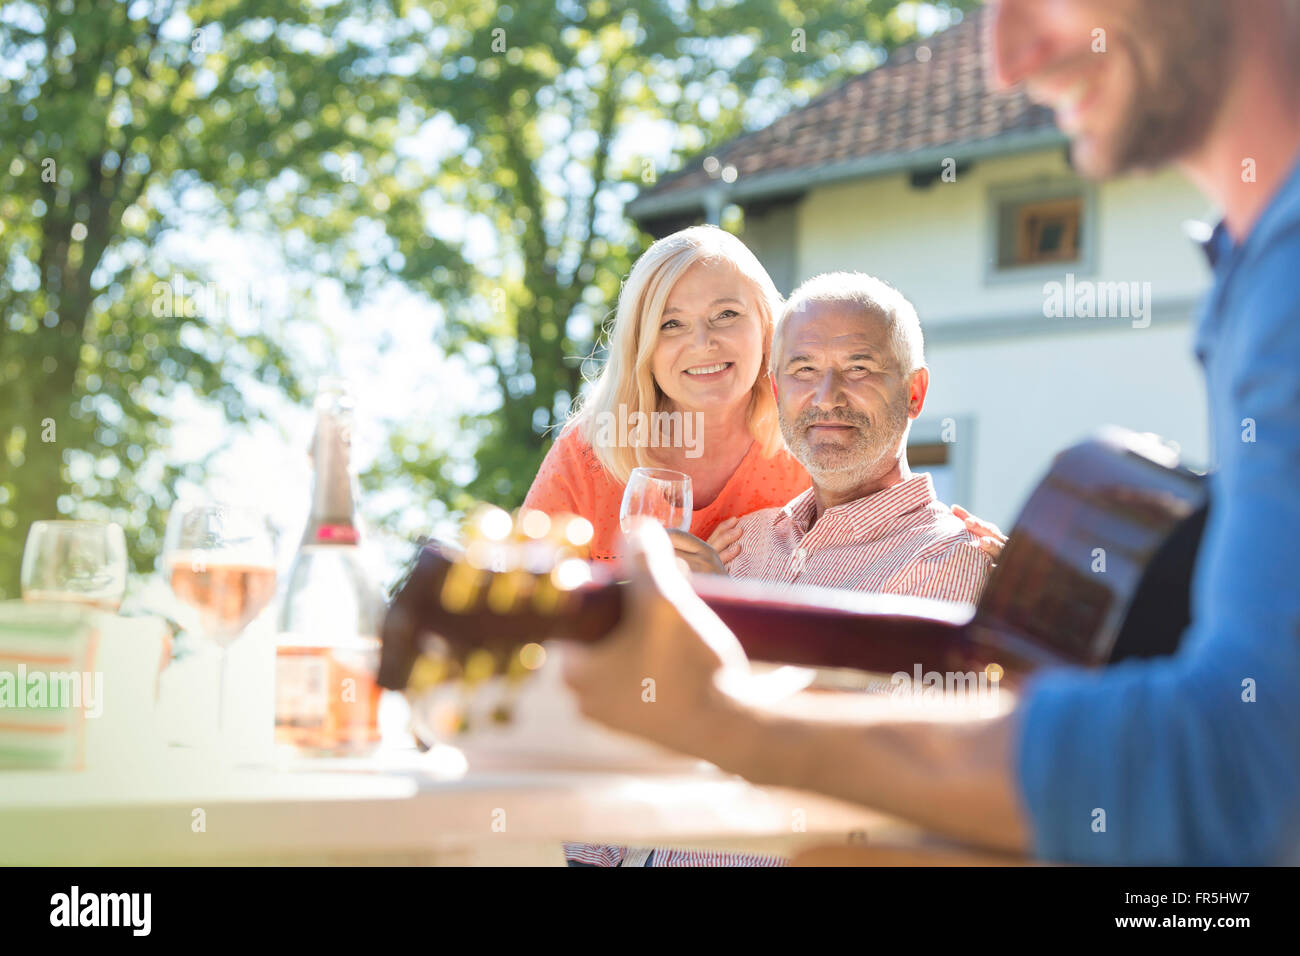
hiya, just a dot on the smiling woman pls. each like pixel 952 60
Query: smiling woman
pixel 692 336
pixel 689 344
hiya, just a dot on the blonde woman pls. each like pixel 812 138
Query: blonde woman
pixel 684 386
pixel 691 341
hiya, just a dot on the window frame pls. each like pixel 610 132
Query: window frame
pixel 961 453
pixel 1041 191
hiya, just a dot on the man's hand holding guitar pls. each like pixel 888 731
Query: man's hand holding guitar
pixel 953 778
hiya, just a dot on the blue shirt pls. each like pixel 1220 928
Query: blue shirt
pixel 1195 759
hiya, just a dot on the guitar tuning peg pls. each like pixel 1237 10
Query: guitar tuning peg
pixel 551 592
pixel 463 585
pixel 533 525
pixel 488 523
pixel 546 597
pixel 479 666
pixel 509 591
pixel 429 670
pixel 570 574
pixel 528 658
pixel 577 533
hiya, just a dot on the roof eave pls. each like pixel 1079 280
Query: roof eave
pixel 765 185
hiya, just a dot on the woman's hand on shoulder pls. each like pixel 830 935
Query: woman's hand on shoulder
pixel 990 536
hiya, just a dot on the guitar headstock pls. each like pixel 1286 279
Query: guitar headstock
pixel 473 618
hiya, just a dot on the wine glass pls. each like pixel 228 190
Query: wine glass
pixel 82 562
pixel 658 493
pixel 219 559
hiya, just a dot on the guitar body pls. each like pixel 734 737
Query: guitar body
pixel 1096 569
pixel 1098 566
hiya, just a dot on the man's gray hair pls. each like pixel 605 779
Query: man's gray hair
pixel 871 295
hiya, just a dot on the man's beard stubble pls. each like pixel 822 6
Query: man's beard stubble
pixel 870 454
pixel 1172 110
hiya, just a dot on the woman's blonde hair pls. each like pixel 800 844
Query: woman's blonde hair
pixel 625 384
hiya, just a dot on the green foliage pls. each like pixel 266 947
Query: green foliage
pixel 370 142
pixel 549 101
pixel 121 125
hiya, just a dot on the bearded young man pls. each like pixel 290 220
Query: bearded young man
pixel 1187 766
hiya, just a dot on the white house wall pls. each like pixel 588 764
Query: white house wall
pixel 1025 384
pixel 1025 400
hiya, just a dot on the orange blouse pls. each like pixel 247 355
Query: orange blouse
pixel 573 480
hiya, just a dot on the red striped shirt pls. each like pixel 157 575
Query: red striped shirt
pixel 622 856
pixel 901 540
pixel 898 541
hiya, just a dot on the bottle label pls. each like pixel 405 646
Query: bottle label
pixel 337 534
pixel 301 689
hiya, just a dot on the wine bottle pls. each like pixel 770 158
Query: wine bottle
pixel 327 651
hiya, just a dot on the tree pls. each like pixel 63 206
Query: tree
pixel 476 152
pixel 121 123
pixel 547 102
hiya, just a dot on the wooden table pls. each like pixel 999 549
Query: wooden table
pixel 406 809
pixel 143 802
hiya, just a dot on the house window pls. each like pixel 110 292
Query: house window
pixel 1039 232
pixel 933 457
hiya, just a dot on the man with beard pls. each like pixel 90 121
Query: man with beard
pixel 1192 759
pixel 850 375
pixel 848 362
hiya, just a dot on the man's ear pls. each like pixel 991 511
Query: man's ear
pixel 917 387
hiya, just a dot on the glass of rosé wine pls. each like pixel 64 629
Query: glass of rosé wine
pixel 219 560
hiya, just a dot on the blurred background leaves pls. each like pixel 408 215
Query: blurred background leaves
pixel 477 153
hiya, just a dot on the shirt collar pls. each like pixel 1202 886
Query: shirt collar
pixel 1218 246
pixel 1282 211
pixel 862 517
pixel 1225 256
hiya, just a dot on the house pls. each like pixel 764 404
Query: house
pixel 1051 305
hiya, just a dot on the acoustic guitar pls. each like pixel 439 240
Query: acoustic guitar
pixel 1096 569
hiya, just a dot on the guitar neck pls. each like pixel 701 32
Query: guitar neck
pixel 833 628
pixel 800 625
pixel 1046 603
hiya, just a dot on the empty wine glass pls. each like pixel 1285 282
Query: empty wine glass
pixel 219 559
pixel 83 562
pixel 658 493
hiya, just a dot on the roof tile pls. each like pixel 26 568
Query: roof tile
pixel 906 104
